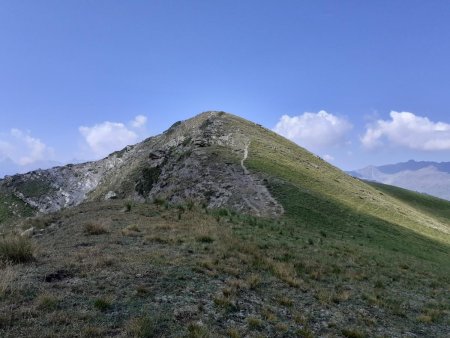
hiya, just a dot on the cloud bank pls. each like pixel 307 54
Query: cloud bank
pixel 407 130
pixel 314 130
pixel 106 137
pixel 22 148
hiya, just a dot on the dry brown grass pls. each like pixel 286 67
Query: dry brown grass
pixel 285 272
pixel 8 279
pixel 253 281
pixel 92 228
pixel 142 327
pixel 47 302
pixel 132 230
pixel 16 249
pixel 285 301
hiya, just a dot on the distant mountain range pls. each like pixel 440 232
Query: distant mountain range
pixel 432 178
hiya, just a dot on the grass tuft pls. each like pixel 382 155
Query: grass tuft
pixel 102 304
pixel 47 302
pixel 142 327
pixel 8 278
pixel 16 249
pixel 352 333
pixel 94 229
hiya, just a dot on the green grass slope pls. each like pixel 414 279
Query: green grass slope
pixel 314 184
pixel 433 206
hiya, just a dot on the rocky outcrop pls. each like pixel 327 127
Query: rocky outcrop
pixel 200 160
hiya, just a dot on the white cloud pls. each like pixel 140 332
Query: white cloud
pixel 22 148
pixel 139 121
pixel 106 137
pixel 314 130
pixel 410 131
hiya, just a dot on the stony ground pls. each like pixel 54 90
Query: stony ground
pixel 116 269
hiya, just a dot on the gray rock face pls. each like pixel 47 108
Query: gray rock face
pixel 201 160
pixel 60 187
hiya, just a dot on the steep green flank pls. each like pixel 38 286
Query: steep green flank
pixel 320 197
pixel 319 183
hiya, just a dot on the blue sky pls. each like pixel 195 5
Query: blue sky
pixel 357 82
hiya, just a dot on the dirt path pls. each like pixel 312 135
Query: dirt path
pixel 244 158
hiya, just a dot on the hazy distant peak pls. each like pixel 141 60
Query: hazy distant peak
pixel 428 177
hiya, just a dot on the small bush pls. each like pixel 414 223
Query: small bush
pixel 16 249
pixel 233 333
pixel 47 302
pixel 95 229
pixel 253 281
pixel 102 304
pixel 142 327
pixel 198 331
pixel 254 322
pixel 351 333
pixel 226 303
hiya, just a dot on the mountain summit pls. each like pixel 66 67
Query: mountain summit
pixel 201 159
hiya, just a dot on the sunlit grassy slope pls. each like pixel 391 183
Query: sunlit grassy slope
pixel 313 189
pixel 430 205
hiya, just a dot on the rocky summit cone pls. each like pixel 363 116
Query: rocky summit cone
pixel 201 160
